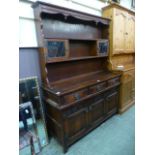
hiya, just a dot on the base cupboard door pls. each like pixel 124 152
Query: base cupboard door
pixel 97 111
pixel 111 102
pixel 127 88
pixel 75 124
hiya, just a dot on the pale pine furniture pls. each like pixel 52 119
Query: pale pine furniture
pixel 122 50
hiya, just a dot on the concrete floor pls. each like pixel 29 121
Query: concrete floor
pixel 116 136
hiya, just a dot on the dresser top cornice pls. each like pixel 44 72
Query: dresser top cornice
pixel 54 9
pixel 115 5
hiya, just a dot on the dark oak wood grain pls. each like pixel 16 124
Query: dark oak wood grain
pixel 79 90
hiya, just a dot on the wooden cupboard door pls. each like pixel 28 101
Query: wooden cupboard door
pixel 130 34
pixel 96 110
pixel 133 85
pixel 127 88
pixel 118 31
pixel 76 123
pixel 132 74
pixel 111 104
pixel 126 92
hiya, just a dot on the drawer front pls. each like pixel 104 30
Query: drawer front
pixel 97 88
pixel 113 81
pixel 78 95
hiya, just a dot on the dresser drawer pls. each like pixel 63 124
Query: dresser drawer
pixel 97 88
pixel 76 96
pixel 113 81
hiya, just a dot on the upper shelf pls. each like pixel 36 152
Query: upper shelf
pixel 71 50
pixel 72 59
pixel 75 39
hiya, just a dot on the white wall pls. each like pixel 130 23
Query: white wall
pixel 27 32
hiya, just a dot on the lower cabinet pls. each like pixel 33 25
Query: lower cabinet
pixel 127 90
pixel 77 120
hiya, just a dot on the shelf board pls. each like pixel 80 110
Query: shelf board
pixel 83 39
pixel 55 60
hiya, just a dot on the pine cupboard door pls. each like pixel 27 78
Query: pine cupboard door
pixel 126 92
pixel 127 88
pixel 119 25
pixel 76 123
pixel 133 85
pixel 130 34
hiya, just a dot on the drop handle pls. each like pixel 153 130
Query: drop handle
pixel 126 33
pixel 90 108
pixel 77 96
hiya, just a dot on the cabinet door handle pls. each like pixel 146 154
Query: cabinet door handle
pixel 98 87
pixel 77 96
pixel 90 107
pixel 126 33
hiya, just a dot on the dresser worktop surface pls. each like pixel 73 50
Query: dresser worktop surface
pixel 81 81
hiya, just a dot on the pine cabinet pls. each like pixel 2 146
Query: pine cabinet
pixel 121 29
pixel 122 50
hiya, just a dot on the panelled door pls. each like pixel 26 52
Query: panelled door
pixel 127 88
pixel 111 104
pixel 119 30
pixel 130 34
pixel 97 110
pixel 76 123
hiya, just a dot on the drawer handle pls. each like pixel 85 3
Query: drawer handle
pixel 77 96
pixel 98 88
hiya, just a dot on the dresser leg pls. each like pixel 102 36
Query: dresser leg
pixel 65 149
pixel 65 146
